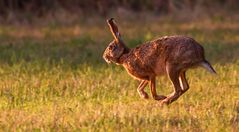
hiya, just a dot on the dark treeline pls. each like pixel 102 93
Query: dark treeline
pixel 103 7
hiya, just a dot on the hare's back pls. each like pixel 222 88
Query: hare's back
pixel 181 50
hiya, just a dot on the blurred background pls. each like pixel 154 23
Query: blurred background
pixel 29 11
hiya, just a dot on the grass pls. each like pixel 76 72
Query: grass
pixel 53 78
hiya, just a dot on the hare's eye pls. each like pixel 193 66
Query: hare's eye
pixel 112 47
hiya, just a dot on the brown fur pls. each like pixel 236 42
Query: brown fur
pixel 169 55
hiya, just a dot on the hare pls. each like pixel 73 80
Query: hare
pixel 169 55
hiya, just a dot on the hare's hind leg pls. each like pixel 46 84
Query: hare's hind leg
pixel 173 74
pixel 153 90
pixel 141 91
pixel 183 81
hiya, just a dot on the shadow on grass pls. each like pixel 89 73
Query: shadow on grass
pixel 71 53
pixel 221 53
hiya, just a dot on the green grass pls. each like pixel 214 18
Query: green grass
pixel 55 79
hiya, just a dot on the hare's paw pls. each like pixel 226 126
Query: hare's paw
pixel 159 97
pixel 144 95
pixel 166 101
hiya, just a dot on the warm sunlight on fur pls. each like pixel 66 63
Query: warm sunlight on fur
pixel 169 55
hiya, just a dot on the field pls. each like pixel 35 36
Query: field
pixel 53 78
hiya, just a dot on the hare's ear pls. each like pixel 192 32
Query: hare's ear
pixel 114 29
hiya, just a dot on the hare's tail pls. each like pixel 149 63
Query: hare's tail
pixel 205 64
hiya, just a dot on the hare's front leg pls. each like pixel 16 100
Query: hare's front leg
pixel 153 90
pixel 141 91
pixel 173 74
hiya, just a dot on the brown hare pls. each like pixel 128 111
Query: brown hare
pixel 170 55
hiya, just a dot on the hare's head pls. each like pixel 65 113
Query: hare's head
pixel 116 48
